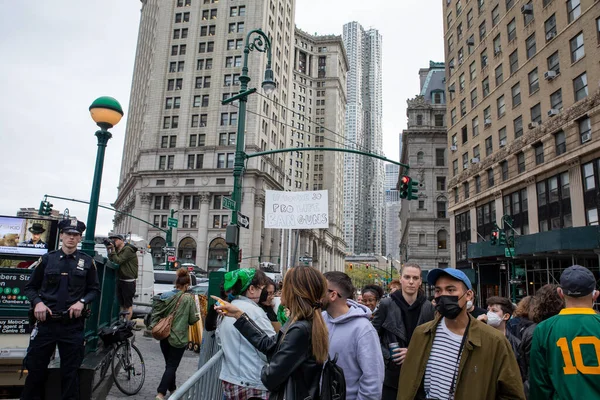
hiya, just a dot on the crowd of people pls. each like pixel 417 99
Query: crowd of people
pixel 403 345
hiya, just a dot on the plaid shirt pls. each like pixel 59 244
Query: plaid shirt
pixel 236 392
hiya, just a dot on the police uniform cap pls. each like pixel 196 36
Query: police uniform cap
pixel 71 226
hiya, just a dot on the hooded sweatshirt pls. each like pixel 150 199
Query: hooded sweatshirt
pixel 356 343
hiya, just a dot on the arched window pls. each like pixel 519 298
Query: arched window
pixel 217 254
pixel 156 246
pixel 187 250
pixel 420 157
pixel 442 239
pixel 419 120
pixel 441 208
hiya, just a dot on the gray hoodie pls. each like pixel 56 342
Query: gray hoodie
pixel 355 341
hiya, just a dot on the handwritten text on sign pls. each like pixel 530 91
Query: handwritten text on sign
pixel 296 210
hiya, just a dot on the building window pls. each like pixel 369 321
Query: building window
pixel 497 45
pixel 528 16
pixel 511 29
pixel 509 4
pixel 486 220
pixel 162 202
pixel 486 86
pixel 453 116
pixel 501 106
pixel 419 120
pixel 502 136
pixel 521 162
pixel 465 160
pixel 580 87
pixel 495 15
pixel 422 240
pixel 534 82
pixel 441 183
pixel 518 126
pixel 554 63
pixel 515 205
pixel 550 27
pixel 455 190
pixel 516 94
pixel 439 120
pixel 472 71
pixel 536 113
pixel 591 190
pixel 490 178
pixel 598 29
pixel 469 18
pixel 463 107
pixel 475 126
pixel 499 75
pixel 585 129
pixel 484 59
pixel 513 58
pixel 466 189
pixel 195 161
pixel 477 184
pixel 539 153
pixel 462 237
pixel 461 82
pixel 440 158
pixel 473 98
pixel 556 100
pixel 420 156
pixel 530 46
pixel 504 170
pixel 577 49
pixel 454 167
pixel 220 221
pixel 421 204
pixel 489 148
pixel 487 115
pixel 482 31
pixel 554 203
pixel 560 143
pixel 573 9
pixel 442 239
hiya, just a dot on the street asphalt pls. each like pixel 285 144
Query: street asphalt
pixel 155 365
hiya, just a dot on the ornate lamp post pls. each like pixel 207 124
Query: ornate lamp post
pixel 255 40
pixel 106 112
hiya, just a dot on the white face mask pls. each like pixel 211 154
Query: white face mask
pixel 493 319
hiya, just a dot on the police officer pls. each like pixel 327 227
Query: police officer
pixel 61 284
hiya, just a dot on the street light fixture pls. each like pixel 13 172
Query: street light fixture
pixel 259 41
pixel 106 112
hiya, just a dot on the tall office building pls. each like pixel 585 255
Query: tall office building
pixel 318 105
pixel 364 213
pixel 424 221
pixel 391 176
pixel 180 141
pixel 392 211
pixel 523 106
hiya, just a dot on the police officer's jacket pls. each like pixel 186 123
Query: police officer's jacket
pixel 60 280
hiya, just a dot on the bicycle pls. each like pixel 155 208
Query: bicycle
pixel 127 363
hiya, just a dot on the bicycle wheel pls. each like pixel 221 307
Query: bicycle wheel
pixel 128 368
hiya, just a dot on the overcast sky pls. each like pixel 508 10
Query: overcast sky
pixel 59 55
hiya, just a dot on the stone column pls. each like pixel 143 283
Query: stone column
pixel 473 216
pixel 256 226
pixel 202 249
pixel 174 201
pixel 576 192
pixel 145 201
pixel 499 204
pixel 267 246
pixel 452 246
pixel 532 206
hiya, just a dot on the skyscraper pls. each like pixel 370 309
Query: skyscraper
pixel 364 213
pixel 180 141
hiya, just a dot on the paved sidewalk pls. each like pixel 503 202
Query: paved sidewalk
pixel 155 366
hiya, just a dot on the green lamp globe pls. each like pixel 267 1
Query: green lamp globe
pixel 106 112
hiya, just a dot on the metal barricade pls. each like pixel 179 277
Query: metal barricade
pixel 205 383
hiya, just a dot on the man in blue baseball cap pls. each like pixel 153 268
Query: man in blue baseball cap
pixel 455 356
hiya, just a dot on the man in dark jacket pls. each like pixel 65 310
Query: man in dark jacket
pixel 126 256
pixel 395 321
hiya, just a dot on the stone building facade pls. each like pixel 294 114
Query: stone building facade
pixel 424 222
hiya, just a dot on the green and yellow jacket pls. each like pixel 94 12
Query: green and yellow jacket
pixel 186 314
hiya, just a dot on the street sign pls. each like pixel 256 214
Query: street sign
pixel 168 249
pixel 243 221
pixel 172 222
pixel 509 252
pixel 305 259
pixel 228 203
pixel 171 259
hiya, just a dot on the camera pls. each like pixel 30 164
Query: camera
pixel 108 242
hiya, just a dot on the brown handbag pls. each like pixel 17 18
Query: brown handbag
pixel 162 329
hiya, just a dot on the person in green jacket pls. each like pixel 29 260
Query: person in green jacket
pixel 565 352
pixel 185 313
pixel 125 255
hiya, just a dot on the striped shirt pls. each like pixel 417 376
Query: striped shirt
pixel 442 364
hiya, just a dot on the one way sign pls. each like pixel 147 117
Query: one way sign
pixel 243 221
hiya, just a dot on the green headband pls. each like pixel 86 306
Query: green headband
pixel 245 274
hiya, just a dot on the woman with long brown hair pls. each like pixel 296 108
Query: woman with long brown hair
pixel 297 353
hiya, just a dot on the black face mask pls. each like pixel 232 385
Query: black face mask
pixel 448 306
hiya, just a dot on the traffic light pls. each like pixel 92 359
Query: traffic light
pixel 404 186
pixel 502 238
pixel 495 235
pixel 413 188
pixel 45 208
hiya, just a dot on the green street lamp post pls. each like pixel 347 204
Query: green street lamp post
pixel 259 42
pixel 106 112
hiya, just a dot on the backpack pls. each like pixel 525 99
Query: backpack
pixel 333 382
